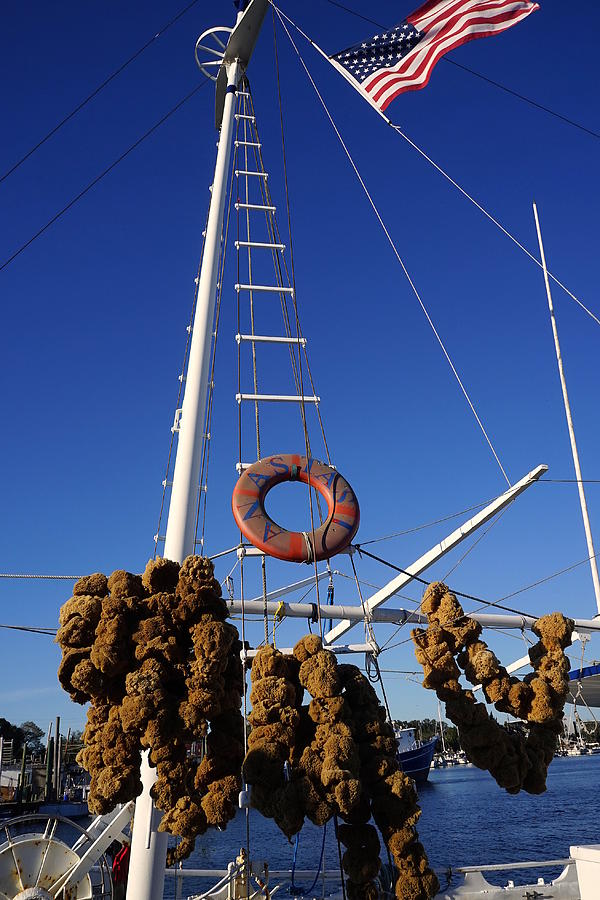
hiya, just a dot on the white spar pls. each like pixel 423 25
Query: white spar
pixel 432 556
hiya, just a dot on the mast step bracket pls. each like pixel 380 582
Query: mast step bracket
pixel 277 398
pixel 269 288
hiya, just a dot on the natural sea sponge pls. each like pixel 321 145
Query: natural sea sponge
pixel 318 674
pixel 81 605
pixel 71 659
pixel 77 632
pixel 161 667
pixel 160 575
pixel 95 585
pixel 307 647
pixel 125 584
pixel 516 761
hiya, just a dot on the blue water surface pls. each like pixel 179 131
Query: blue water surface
pixel 466 820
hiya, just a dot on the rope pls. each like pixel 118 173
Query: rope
pixel 43 577
pixel 297 319
pixel 397 254
pixel 294 888
pixel 440 170
pixel 367 622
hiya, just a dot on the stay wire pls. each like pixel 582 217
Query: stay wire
pixel 475 543
pixel 102 175
pixel 416 528
pixel 96 91
pixel 394 248
pixel 297 320
pixel 497 605
pixel 502 87
pixel 30 628
pixel 445 174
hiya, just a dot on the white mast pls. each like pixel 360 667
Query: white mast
pixel 563 383
pixel 149 846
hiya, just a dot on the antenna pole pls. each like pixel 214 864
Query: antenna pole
pixel 563 383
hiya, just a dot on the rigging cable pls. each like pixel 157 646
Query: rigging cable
pixel 491 81
pixel 395 250
pixel 44 577
pixel 31 628
pixel 96 91
pixel 102 174
pixel 296 315
pixel 435 165
pixel 477 541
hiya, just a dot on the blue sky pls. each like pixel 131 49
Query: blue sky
pixel 94 312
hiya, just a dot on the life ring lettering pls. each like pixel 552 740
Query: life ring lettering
pixel 333 536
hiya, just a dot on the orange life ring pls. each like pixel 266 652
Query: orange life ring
pixel 248 504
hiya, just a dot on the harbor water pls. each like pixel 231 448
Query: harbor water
pixel 466 820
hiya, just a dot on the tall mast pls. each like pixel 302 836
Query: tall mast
pixel 149 846
pixel 563 383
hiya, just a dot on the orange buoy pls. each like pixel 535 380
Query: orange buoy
pixel 248 505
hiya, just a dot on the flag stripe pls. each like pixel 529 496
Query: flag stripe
pixel 415 84
pixel 439 33
pixel 412 49
pixel 440 11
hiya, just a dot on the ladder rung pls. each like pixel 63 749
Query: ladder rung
pixel 271 288
pixel 270 339
pixel 246 144
pixel 274 398
pixel 239 172
pixel 263 244
pixel 258 206
pixel 242 94
pixel 247 118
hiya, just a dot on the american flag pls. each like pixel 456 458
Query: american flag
pixel 402 58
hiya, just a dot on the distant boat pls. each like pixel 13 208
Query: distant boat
pixel 415 756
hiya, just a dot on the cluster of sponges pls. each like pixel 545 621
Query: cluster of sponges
pixel 452 640
pixel 336 756
pixel 275 718
pixel 393 796
pixel 330 764
pixel 161 666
